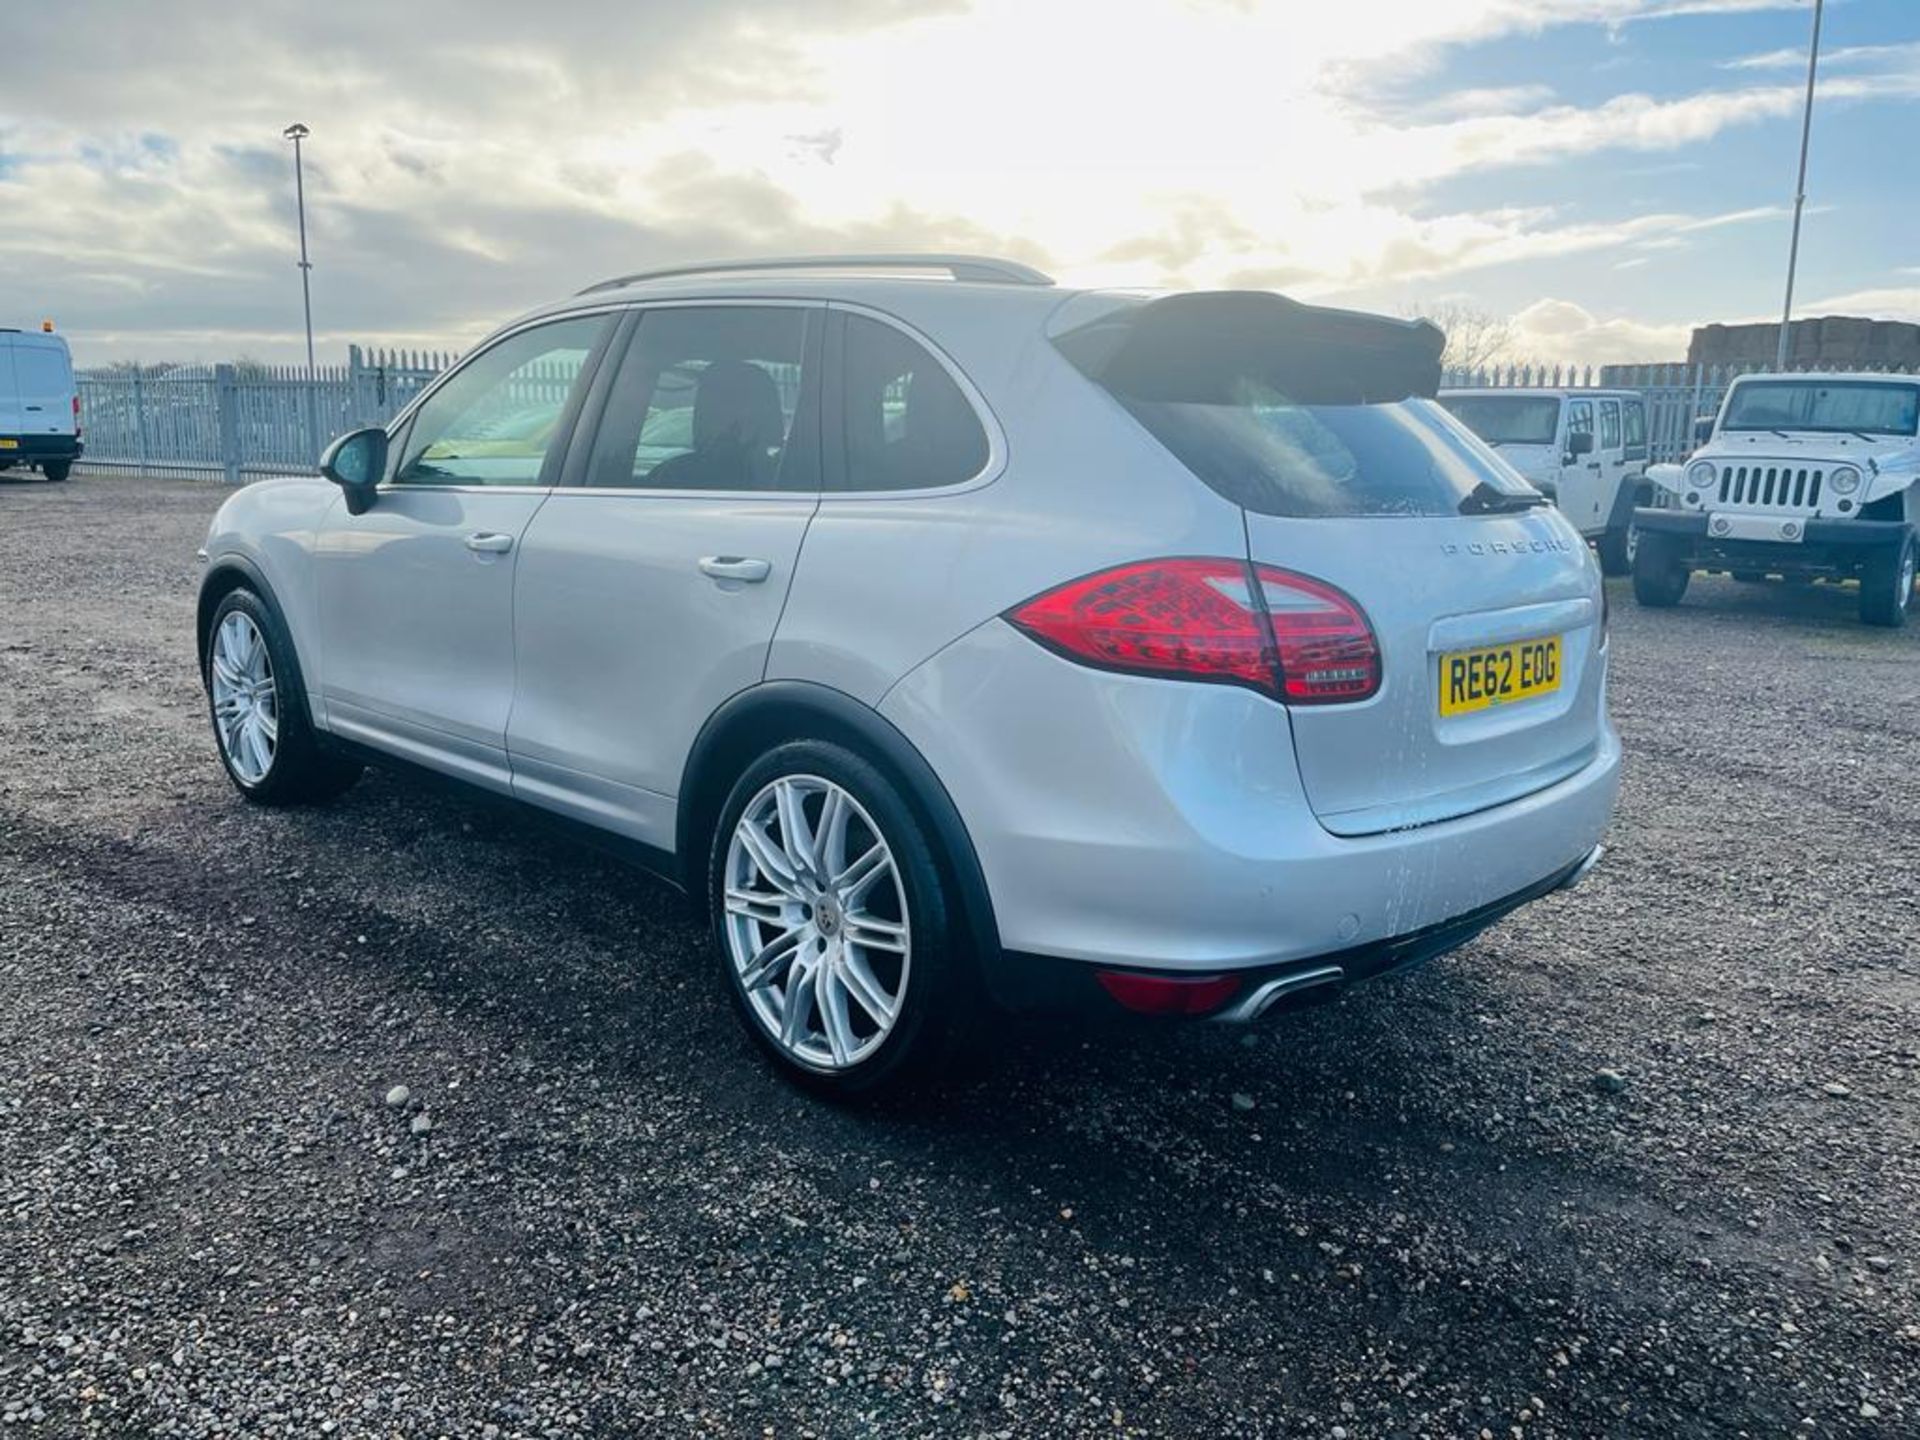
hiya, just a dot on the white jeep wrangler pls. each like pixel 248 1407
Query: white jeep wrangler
pixel 1804 477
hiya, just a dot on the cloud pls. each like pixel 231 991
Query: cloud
pixel 1893 302
pixel 1562 332
pixel 1844 57
pixel 473 157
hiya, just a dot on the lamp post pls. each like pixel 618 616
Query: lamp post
pixel 297 132
pixel 1800 188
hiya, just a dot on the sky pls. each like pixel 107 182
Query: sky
pixel 1605 174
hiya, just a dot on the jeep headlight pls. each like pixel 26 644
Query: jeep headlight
pixel 1700 475
pixel 1844 480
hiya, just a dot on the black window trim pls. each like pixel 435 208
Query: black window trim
pixel 551 469
pixel 572 478
pixel 833 405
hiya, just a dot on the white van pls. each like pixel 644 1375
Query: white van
pixel 1587 449
pixel 39 406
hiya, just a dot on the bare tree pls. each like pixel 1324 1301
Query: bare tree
pixel 1476 338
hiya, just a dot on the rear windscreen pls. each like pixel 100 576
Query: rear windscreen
pixel 1251 401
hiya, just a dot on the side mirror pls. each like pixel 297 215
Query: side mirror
pixel 356 462
pixel 1702 430
pixel 1580 443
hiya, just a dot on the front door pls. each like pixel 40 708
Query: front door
pixel 1582 476
pixel 651 582
pixel 415 596
pixel 1611 450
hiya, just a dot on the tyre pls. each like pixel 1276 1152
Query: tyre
pixel 834 924
pixel 1617 547
pixel 1660 572
pixel 1886 585
pixel 258 708
pixel 57 470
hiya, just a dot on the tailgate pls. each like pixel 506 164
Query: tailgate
pixel 1482 595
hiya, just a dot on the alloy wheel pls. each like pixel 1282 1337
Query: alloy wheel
pixel 246 702
pixel 816 922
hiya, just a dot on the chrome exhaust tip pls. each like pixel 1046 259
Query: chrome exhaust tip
pixel 1266 996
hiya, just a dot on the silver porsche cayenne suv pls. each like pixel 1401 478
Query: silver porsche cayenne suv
pixel 956 639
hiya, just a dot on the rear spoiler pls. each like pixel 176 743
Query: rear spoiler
pixel 1200 348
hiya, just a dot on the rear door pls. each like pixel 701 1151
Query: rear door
pixel 43 383
pixel 650 584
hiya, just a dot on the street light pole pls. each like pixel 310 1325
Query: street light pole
pixel 1800 187
pixel 296 133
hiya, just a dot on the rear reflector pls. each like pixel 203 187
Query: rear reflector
pixel 1295 638
pixel 1168 994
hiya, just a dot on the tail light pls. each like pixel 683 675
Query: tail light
pixel 1286 635
pixel 76 413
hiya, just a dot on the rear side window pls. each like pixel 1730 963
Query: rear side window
pixel 711 398
pixel 1609 424
pixel 906 425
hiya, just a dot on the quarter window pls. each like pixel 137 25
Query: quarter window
pixel 907 426
pixel 710 398
pixel 1609 424
pixel 495 420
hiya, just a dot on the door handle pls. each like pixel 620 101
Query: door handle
pixel 735 567
pixel 486 542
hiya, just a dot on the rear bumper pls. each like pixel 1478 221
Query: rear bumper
pixel 1046 982
pixel 1824 546
pixel 1156 826
pixel 33 448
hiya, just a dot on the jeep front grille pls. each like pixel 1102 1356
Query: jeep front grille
pixel 1761 487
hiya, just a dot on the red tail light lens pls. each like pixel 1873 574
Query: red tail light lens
pixel 1325 646
pixel 1168 994
pixel 1295 638
pixel 76 414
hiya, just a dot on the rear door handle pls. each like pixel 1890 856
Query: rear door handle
pixel 486 542
pixel 735 567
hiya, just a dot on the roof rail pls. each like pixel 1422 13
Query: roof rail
pixel 960 267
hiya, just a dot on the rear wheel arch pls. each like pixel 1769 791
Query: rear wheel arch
pixel 756 720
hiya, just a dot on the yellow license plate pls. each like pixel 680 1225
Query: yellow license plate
pixel 1498 675
pixel 9 444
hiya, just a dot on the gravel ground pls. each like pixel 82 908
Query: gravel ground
pixel 399 1117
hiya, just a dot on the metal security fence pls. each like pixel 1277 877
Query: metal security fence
pixel 237 422
pixel 1675 394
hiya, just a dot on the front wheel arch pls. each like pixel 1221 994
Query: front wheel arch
pixel 757 720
